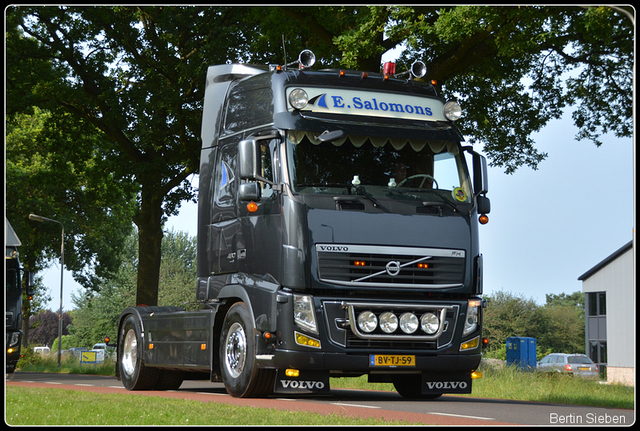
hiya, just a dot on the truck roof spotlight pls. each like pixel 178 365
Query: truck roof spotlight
pixel 298 98
pixel 452 111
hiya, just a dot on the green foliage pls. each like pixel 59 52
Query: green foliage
pixel 53 169
pixel 558 326
pixel 67 343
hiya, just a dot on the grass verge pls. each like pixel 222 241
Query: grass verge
pixel 49 364
pixel 509 383
pixel 36 406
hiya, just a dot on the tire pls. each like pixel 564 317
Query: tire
pixel 237 355
pixel 409 386
pixel 135 375
pixel 169 380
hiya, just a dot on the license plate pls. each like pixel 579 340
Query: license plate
pixel 584 368
pixel 392 360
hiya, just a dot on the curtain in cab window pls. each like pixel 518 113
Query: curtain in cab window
pixel 297 136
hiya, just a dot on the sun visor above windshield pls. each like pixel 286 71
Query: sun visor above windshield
pixel 296 136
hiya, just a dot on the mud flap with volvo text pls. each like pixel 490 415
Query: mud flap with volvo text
pixel 305 382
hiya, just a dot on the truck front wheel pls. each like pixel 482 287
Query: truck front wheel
pixel 135 376
pixel 241 377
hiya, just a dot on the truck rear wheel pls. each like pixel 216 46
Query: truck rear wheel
pixel 241 377
pixel 135 376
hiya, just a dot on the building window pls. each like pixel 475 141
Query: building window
pixel 596 325
pixel 602 304
pixel 597 303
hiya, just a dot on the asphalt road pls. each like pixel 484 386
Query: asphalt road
pixel 447 410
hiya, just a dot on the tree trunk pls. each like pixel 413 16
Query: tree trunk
pixel 149 222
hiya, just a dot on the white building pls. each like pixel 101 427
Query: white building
pixel 610 298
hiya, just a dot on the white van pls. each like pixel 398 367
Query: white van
pixel 42 350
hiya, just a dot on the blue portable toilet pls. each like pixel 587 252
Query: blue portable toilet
pixel 522 352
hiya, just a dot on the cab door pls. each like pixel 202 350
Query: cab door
pixel 224 231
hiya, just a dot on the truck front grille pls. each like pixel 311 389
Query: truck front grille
pixel 373 266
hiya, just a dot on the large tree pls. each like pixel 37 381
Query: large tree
pixel 137 74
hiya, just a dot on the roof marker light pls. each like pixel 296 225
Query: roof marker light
pixel 389 68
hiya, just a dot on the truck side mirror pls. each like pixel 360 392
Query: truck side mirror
pixel 249 160
pixel 249 191
pixel 480 180
pixel 29 290
pixel 30 280
pixel 484 205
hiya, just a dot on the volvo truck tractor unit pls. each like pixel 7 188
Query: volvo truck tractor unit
pixel 337 237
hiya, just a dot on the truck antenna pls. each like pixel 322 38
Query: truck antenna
pixel 284 49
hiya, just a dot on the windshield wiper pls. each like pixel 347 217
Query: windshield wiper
pixel 437 192
pixel 445 200
pixel 323 185
pixel 361 190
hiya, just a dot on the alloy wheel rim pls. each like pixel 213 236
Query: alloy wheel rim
pixel 235 350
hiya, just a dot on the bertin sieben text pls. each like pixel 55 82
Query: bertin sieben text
pixel 587 419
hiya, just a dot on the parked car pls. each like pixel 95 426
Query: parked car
pixel 106 350
pixel 574 364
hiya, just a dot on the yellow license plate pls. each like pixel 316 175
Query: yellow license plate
pixel 392 360
pixel 584 368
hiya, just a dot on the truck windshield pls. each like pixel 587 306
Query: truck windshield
pixel 382 167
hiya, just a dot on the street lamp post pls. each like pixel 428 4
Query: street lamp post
pixel 41 219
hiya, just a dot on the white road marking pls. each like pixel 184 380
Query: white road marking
pixel 461 416
pixel 210 393
pixel 355 405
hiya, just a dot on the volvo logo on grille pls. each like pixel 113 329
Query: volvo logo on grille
pixel 393 268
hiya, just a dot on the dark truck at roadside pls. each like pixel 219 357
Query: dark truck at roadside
pixel 337 237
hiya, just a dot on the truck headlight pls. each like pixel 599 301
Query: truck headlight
pixel 303 314
pixel 298 99
pixel 388 322
pixel 429 323
pixel 471 321
pixel 452 111
pixel 367 321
